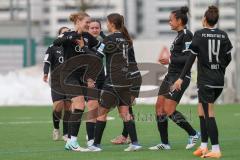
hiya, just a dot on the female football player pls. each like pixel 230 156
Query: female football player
pixel 92 103
pixel 212 48
pixel 75 44
pixel 135 77
pixel 116 89
pixel 168 99
pixel 53 58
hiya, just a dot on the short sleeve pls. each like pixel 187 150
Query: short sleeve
pixel 193 47
pixel 187 40
pixel 48 56
pixel 227 45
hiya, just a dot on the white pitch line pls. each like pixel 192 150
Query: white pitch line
pixel 36 122
pixel 24 118
pixel 110 118
pixel 25 122
pixel 236 114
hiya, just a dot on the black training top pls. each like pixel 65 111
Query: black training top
pixel 179 52
pixel 54 57
pixel 213 48
pixel 132 60
pixel 72 49
pixel 116 60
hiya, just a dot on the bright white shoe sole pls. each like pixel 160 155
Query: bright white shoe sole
pixel 195 139
pixel 190 146
pixel 94 149
pixel 79 149
pixel 90 143
pixel 133 148
pixel 56 136
pixel 159 147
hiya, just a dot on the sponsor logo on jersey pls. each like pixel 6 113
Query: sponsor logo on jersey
pixel 79 49
pixel 60 59
pixel 187 44
pixel 100 48
pixel 59 52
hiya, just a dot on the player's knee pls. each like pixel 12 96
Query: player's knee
pixel 159 109
pixel 92 115
pixel 58 106
pixel 78 105
pixel 211 114
pixel 125 116
pixel 169 111
pixel 92 104
pixel 67 105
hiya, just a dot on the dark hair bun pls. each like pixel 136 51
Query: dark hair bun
pixel 184 9
pixel 212 15
pixel 213 9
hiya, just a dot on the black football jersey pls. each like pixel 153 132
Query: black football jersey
pixel 54 56
pixel 101 76
pixel 213 49
pixel 71 48
pixel 131 55
pixel 179 51
pixel 132 60
pixel 116 59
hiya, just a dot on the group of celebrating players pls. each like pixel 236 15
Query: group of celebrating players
pixel 78 77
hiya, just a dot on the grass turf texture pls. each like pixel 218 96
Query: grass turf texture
pixel 26 135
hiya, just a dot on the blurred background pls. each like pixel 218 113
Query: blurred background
pixel 28 27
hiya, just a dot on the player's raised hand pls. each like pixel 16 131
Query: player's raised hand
pixel 80 42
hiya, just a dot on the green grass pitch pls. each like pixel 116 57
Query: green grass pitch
pixel 25 134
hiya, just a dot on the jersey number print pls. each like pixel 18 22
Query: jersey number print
pixel 213 49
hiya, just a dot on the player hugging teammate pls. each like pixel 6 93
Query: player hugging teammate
pixel 121 84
